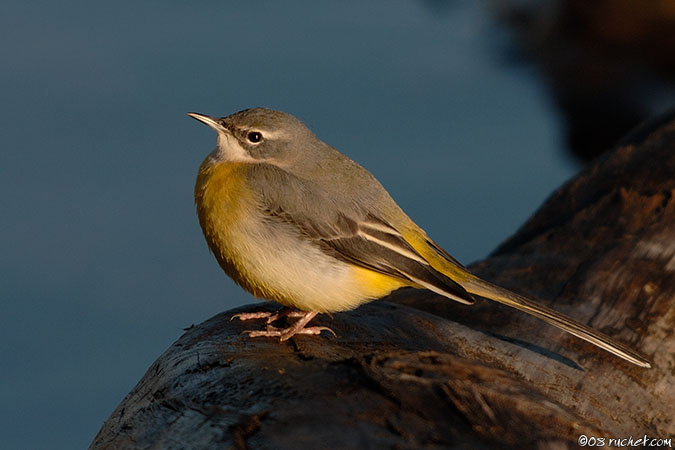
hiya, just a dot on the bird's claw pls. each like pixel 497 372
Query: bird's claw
pixel 285 333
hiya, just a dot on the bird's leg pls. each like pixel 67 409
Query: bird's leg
pixel 286 333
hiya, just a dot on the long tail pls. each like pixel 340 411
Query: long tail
pixel 490 291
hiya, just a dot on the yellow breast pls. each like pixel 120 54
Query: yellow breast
pixel 222 202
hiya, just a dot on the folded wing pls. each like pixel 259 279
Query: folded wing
pixel 351 234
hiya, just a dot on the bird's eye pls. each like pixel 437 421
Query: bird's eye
pixel 254 137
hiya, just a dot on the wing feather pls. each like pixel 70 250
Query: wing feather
pixel 353 235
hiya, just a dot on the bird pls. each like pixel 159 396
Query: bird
pixel 291 219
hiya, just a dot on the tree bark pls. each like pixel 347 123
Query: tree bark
pixel 416 370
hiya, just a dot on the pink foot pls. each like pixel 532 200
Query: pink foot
pixel 286 333
pixel 283 333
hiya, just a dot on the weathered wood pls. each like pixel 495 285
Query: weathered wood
pixel 419 371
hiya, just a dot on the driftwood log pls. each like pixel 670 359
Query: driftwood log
pixel 418 371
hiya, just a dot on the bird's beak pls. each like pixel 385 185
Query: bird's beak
pixel 210 121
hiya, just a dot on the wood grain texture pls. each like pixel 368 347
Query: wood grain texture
pixel 419 371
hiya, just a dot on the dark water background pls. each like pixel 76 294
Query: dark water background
pixel 103 262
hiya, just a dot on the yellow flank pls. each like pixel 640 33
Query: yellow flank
pixel 374 284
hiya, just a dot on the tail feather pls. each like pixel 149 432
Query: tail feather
pixel 490 291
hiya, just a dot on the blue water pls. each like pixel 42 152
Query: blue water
pixel 103 262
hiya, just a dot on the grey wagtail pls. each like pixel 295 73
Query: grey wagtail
pixel 291 219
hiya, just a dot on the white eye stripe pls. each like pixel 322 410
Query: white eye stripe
pixel 266 134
